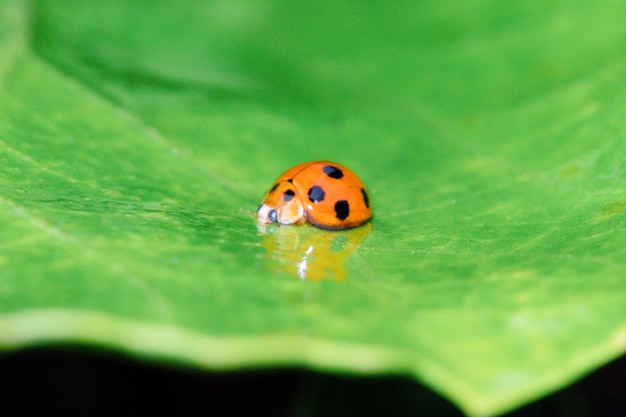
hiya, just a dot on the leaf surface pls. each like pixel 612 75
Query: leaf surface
pixel 137 138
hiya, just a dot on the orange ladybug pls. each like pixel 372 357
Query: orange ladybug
pixel 325 194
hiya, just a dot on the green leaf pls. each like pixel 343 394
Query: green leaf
pixel 137 138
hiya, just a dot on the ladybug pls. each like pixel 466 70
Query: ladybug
pixel 325 194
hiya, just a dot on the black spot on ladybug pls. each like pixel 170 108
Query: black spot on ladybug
pixel 288 195
pixel 274 187
pixel 290 180
pixel 366 199
pixel 332 172
pixel 342 209
pixel 316 194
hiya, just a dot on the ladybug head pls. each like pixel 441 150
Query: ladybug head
pixel 281 205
